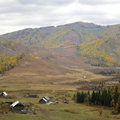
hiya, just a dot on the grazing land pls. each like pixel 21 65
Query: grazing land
pixel 70 111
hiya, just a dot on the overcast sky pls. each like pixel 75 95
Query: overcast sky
pixel 20 14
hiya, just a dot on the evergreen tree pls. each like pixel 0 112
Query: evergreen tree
pixel 118 105
pixel 98 98
pixel 115 96
pixel 109 98
pixel 93 97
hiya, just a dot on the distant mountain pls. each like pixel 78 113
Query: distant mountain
pixel 99 44
pixel 60 36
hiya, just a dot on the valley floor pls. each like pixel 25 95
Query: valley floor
pixel 19 86
pixel 61 111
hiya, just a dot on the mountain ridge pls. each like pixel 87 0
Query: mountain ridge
pixel 99 44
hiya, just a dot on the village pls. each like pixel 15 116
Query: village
pixel 23 108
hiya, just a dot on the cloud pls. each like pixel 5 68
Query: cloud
pixel 46 2
pixel 18 14
pixel 98 2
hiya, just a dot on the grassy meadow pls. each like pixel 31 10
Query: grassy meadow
pixel 61 111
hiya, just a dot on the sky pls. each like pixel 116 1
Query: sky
pixel 20 14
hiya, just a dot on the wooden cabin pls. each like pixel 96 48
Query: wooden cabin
pixel 44 100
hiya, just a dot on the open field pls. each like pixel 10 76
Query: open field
pixel 85 113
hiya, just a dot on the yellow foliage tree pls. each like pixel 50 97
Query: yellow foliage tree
pixel 7 62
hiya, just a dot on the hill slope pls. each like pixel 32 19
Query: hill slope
pixel 99 44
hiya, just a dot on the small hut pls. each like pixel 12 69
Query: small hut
pixel 44 100
pixel 3 94
pixel 17 106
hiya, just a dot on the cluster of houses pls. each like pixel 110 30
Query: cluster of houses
pixel 14 106
pixel 17 106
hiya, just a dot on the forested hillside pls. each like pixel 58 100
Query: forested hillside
pixel 99 44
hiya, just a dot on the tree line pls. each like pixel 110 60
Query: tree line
pixel 109 97
pixel 8 62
